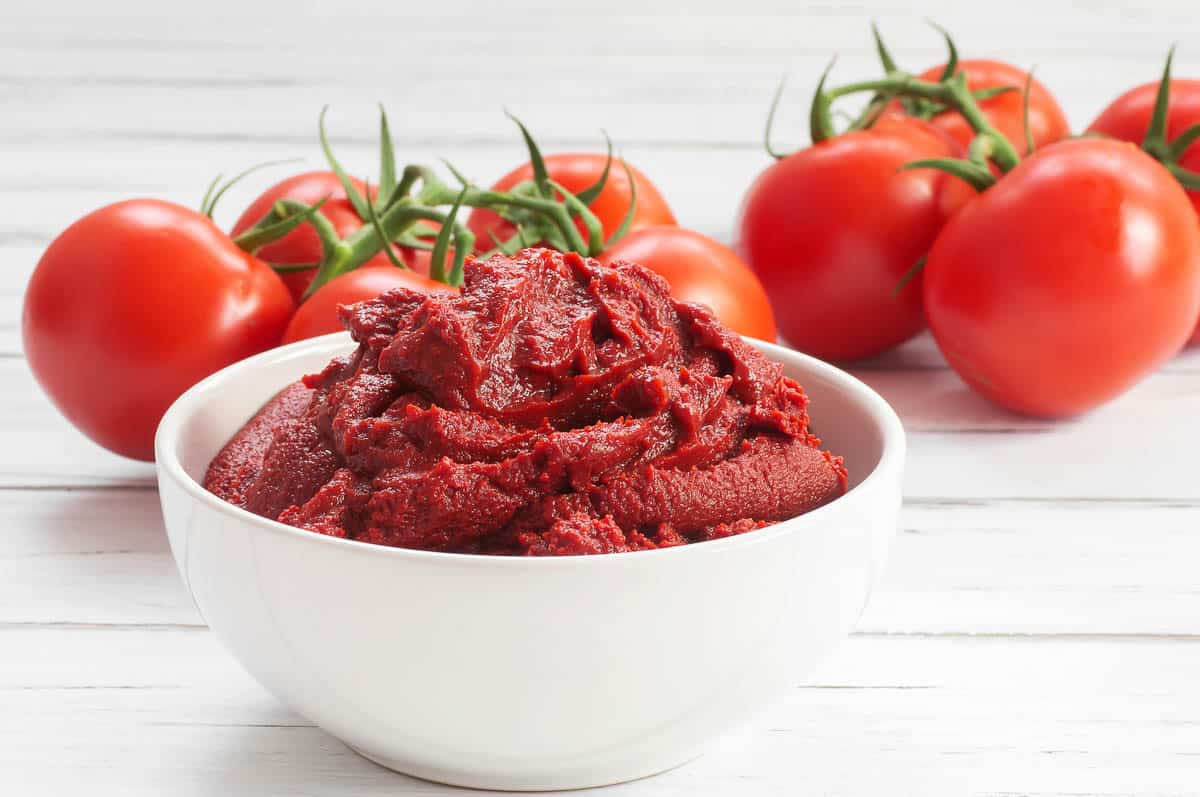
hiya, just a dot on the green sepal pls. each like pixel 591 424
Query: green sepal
pixel 213 195
pixel 387 161
pixel 595 242
pixel 1155 141
pixel 356 199
pixel 237 178
pixel 291 268
pixel 588 195
pixel 437 260
pixel 626 222
pixel 373 217
pixel 771 121
pixel 205 210
pixel 536 161
pixel 462 179
pixel 820 117
pixel 885 57
pixel 952 52
pixel 992 91
pixel 275 225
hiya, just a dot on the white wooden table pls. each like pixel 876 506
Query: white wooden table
pixel 1038 630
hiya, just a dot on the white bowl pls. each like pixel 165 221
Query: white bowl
pixel 527 673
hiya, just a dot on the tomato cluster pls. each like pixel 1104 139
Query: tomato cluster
pixel 137 301
pixel 1054 272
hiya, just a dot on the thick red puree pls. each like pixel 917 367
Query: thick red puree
pixel 555 406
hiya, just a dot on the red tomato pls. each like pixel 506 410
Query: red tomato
pixel 1069 280
pixel 1047 122
pixel 831 230
pixel 576 172
pixel 1129 116
pixel 318 314
pixel 302 244
pixel 135 303
pixel 701 270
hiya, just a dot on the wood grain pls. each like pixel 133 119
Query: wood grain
pixel 1029 568
pixel 1038 629
pixel 154 711
pixel 961 447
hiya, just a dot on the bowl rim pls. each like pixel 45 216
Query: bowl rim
pixel 167 464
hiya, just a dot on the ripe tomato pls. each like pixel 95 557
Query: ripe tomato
pixel 318 314
pixel 576 172
pixel 1069 280
pixel 1129 115
pixel 302 244
pixel 135 303
pixel 701 270
pixel 831 230
pixel 1047 122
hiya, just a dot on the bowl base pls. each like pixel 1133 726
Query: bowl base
pixel 531 783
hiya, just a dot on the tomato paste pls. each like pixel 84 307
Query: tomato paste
pixel 555 406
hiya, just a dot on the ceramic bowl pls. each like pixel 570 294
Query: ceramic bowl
pixel 527 673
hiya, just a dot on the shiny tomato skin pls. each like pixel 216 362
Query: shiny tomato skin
pixel 701 270
pixel 1047 122
pixel 919 131
pixel 133 304
pixel 576 171
pixel 302 244
pixel 318 315
pixel 1068 281
pixel 832 229
pixel 1128 117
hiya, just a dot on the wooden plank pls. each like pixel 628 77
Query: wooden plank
pixel 100 556
pixel 961 446
pixel 1042 568
pixel 169 711
pixel 88 556
pixel 107 681
pixel 83 79
pixel 666 74
pixel 42 449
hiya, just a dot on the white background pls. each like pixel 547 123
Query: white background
pixel 1038 631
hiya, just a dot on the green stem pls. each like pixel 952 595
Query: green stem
pixel 575 207
pixel 277 223
pixel 331 244
pixel 349 254
pixel 953 93
pixel 441 194
pixel 436 192
pixel 981 150
pixel 1155 142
